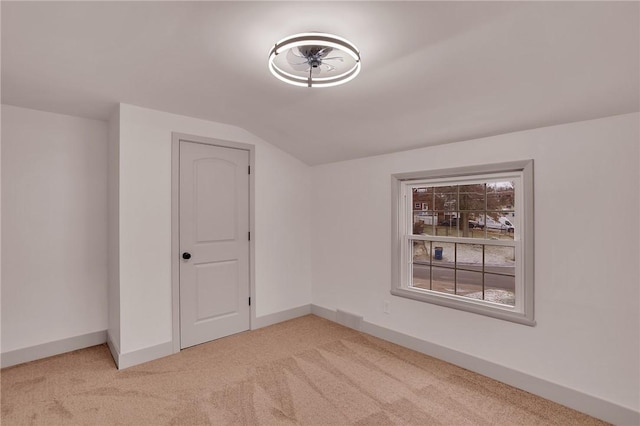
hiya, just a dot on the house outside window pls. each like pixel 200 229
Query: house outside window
pixel 463 238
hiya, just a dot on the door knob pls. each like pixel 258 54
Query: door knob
pixel 186 255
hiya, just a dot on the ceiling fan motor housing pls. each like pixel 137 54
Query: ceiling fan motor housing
pixel 314 54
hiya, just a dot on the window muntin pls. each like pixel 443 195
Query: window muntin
pixel 461 239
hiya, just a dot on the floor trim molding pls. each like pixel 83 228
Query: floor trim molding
pixel 57 347
pixel 140 356
pixel 114 349
pixel 276 317
pixel 594 406
pixel 324 313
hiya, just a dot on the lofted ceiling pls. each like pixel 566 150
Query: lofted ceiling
pixel 433 72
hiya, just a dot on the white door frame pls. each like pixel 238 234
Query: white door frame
pixel 175 225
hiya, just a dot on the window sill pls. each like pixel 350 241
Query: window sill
pixel 472 306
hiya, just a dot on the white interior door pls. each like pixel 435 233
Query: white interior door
pixel 214 242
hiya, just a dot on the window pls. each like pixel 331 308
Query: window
pixel 463 238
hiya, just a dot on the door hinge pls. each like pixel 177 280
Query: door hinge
pixel 249 301
pixel 249 235
pixel 249 169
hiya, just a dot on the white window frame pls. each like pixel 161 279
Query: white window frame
pixel 403 237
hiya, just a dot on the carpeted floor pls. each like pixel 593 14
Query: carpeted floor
pixel 305 371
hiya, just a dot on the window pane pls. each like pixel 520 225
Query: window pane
pixel 446 198
pixel 501 195
pixel 500 289
pixel 507 219
pixel 423 198
pixel 499 277
pixel 443 258
pixel 476 224
pixel 448 226
pixel 443 280
pixel 423 215
pixel 468 227
pixel 499 225
pixel 421 264
pixel 421 251
pixel 500 260
pixel 421 275
pixel 469 284
pixel 423 222
pixel 472 197
pixel 469 256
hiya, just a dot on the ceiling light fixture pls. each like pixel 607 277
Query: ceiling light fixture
pixel 314 60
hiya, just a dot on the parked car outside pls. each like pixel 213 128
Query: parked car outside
pixel 506 223
pixel 450 222
pixel 502 224
pixel 476 224
pixel 454 223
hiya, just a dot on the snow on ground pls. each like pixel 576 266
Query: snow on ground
pixel 470 254
pixel 467 253
pixel 494 295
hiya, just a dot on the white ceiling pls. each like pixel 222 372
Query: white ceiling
pixel 433 72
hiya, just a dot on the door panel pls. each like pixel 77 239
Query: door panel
pixel 216 292
pixel 214 227
pixel 215 179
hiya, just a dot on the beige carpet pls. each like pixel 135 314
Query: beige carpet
pixel 306 371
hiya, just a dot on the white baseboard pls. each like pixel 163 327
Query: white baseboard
pixel 588 404
pixel 32 353
pixel 324 313
pixel 129 359
pixel 140 356
pixel 281 316
pixel 349 320
pixel 114 349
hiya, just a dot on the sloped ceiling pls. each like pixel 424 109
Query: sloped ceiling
pixel 433 72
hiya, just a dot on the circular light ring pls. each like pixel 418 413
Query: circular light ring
pixel 315 82
pixel 319 39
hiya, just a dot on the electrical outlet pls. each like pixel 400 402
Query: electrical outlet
pixel 386 307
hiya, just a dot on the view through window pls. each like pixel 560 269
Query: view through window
pixel 463 238
pixel 483 212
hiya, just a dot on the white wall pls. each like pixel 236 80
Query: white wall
pixel 586 254
pixel 113 225
pixel 54 240
pixel 0 229
pixel 54 227
pixel 282 243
